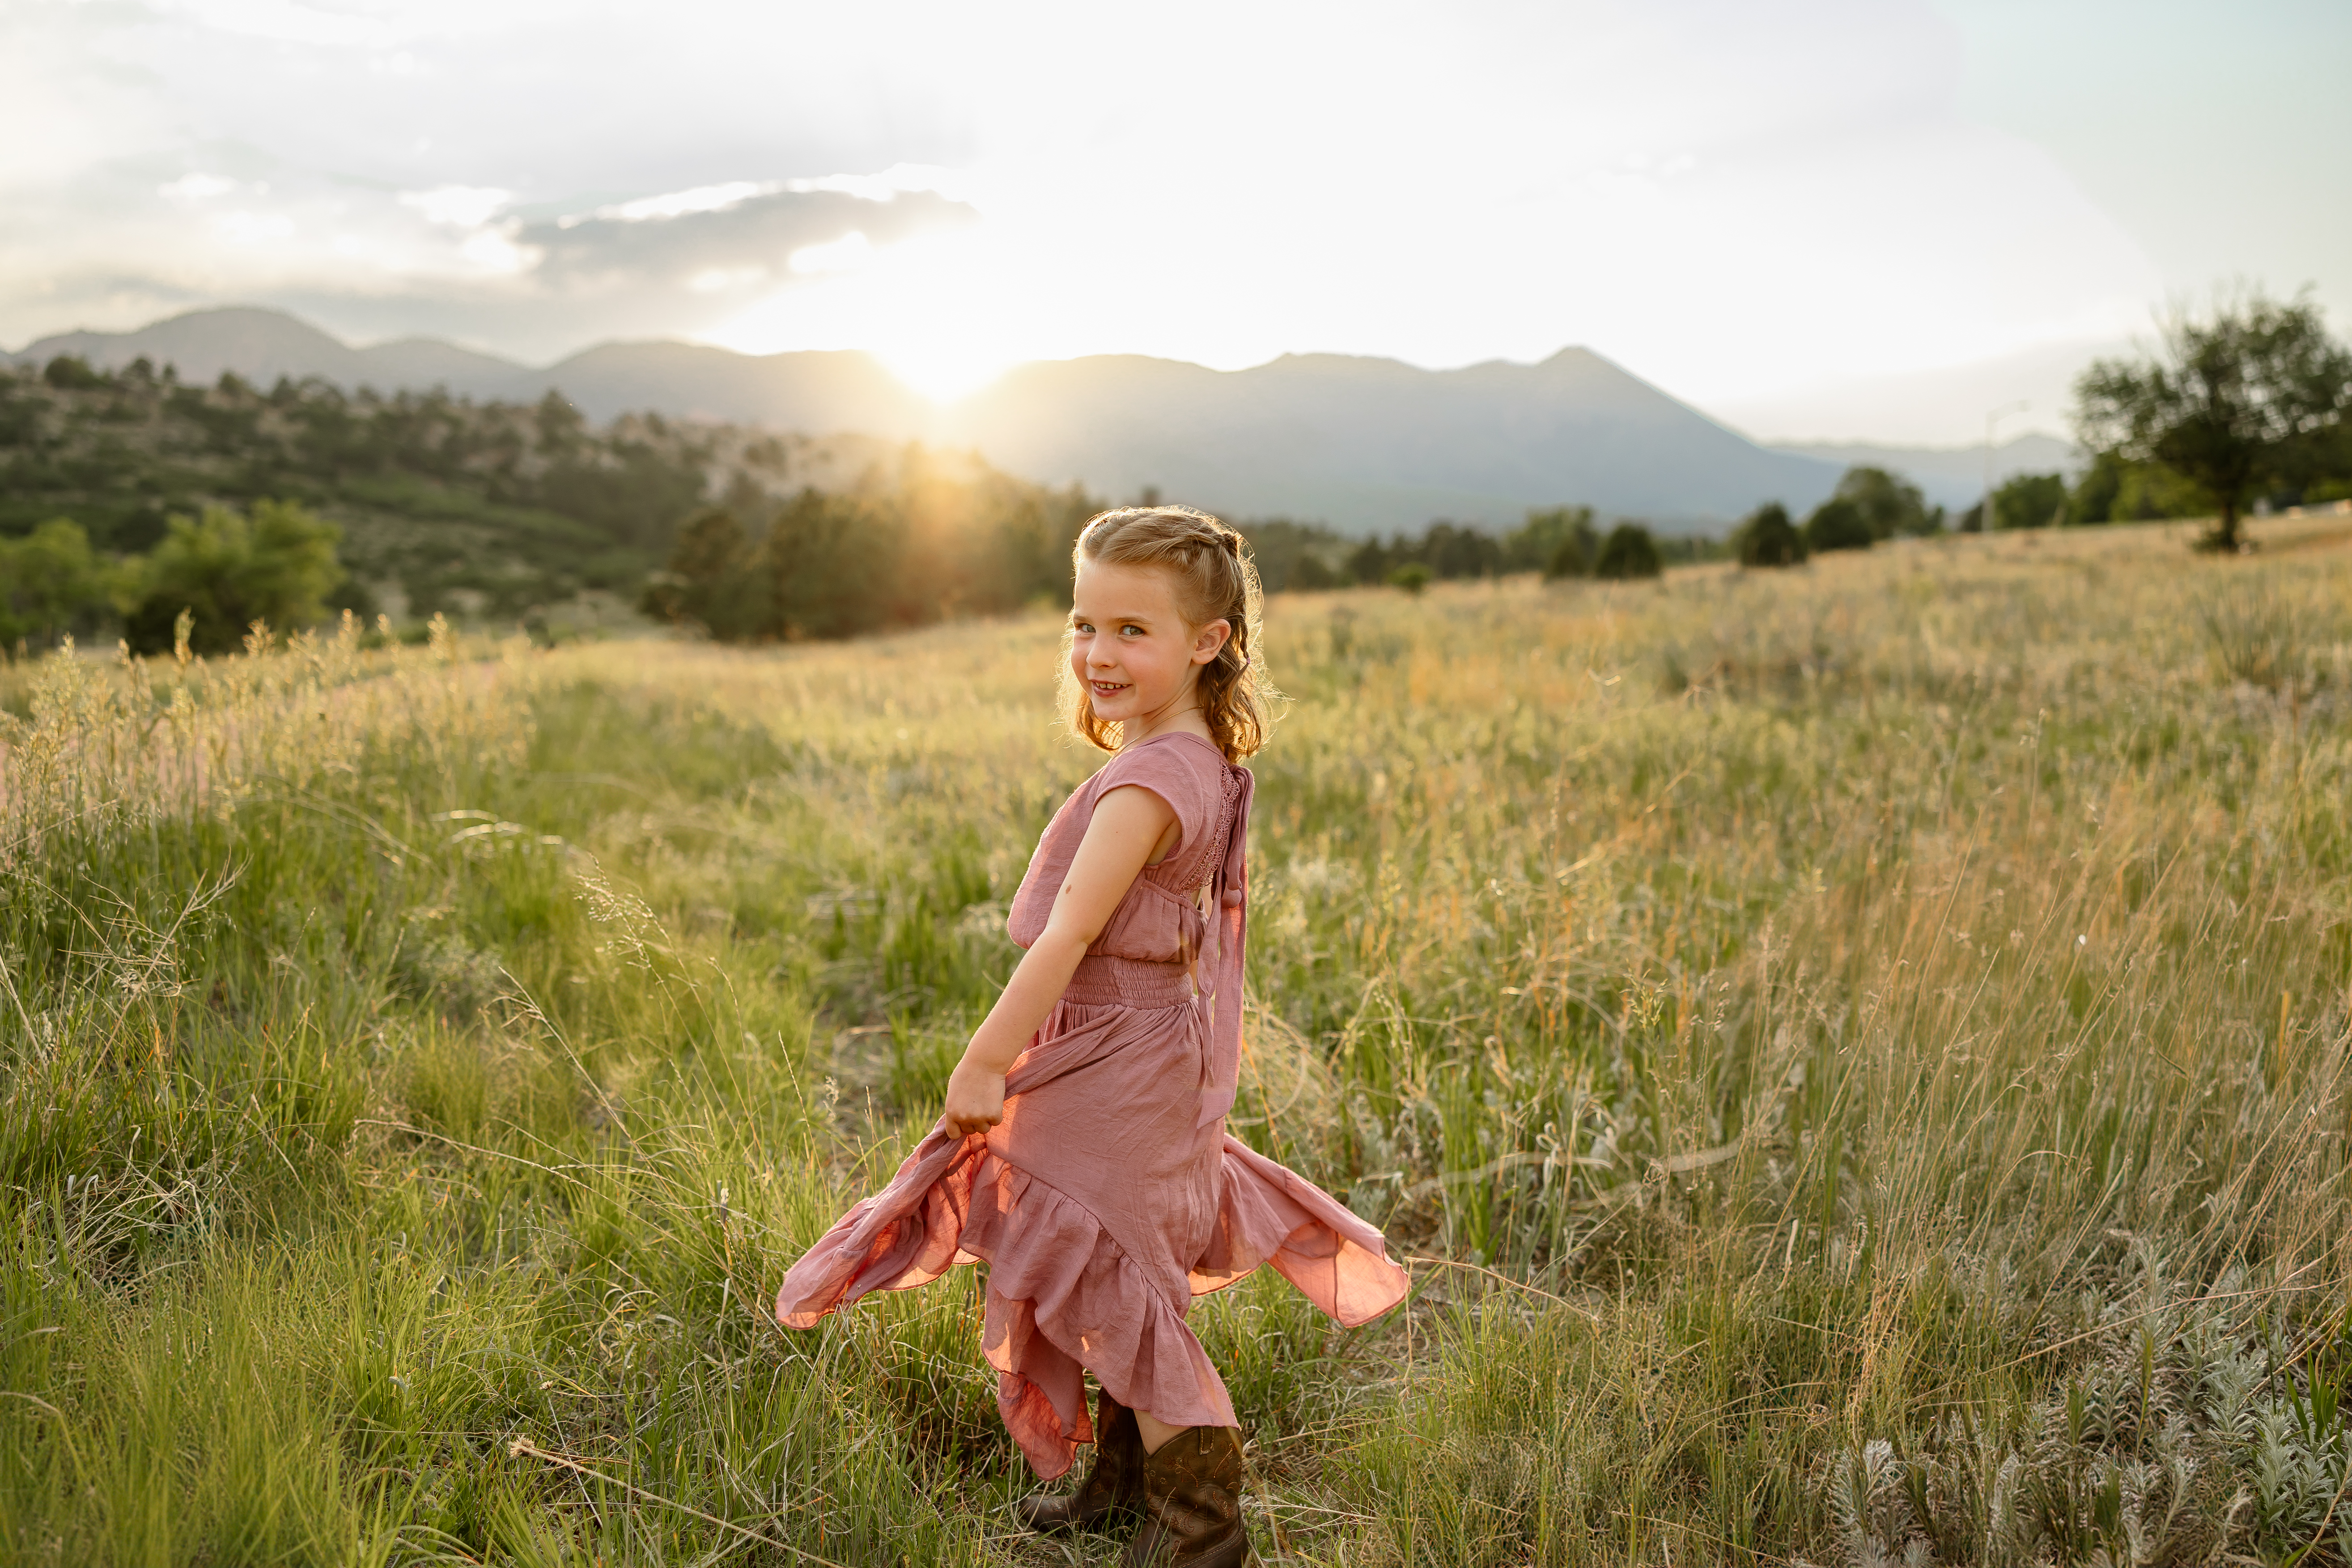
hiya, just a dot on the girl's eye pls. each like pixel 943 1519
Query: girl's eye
pixel 1136 630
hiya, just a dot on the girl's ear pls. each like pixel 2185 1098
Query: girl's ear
pixel 1210 641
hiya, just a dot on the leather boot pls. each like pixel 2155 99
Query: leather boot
pixel 1112 1492
pixel 1193 1503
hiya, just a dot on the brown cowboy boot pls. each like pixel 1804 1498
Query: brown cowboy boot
pixel 1112 1492
pixel 1193 1503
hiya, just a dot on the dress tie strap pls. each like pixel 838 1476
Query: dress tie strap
pixel 1228 932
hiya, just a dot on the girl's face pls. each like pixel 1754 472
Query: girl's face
pixel 1130 647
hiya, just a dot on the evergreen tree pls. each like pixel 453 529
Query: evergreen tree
pixel 1629 551
pixel 1766 538
pixel 1837 524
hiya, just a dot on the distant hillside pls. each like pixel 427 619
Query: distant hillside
pixel 479 508
pixel 1374 444
pixel 812 394
pixel 1953 477
pixel 263 345
pixel 1367 445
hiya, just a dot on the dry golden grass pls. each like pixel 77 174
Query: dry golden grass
pixel 1861 1055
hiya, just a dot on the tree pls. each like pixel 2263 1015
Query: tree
pixel 1888 505
pixel 2029 501
pixel 835 566
pixel 1559 542
pixel 1289 554
pixel 51 582
pixel 228 571
pixel 709 582
pixel 1837 524
pixel 1629 551
pixel 72 372
pixel 2249 395
pixel 1370 562
pixel 2093 499
pixel 1767 537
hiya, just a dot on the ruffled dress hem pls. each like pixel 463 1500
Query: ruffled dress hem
pixel 1063 1298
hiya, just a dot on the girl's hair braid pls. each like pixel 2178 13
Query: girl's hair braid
pixel 1216 580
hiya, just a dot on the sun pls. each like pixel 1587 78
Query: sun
pixel 943 367
pixel 921 307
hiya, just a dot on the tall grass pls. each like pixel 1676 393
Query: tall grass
pixel 1859 1056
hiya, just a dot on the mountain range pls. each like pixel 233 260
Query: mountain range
pixel 1366 444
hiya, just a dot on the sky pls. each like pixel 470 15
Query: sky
pixel 1816 219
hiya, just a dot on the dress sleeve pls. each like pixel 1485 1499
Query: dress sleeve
pixel 1183 776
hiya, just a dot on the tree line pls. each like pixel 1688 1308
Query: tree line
pixel 2247 406
pixel 208 581
pixel 128 497
pixel 935 535
pixel 920 537
pixel 442 503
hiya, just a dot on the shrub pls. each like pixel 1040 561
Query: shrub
pixel 72 372
pixel 1837 524
pixel 51 582
pixel 228 571
pixel 1629 551
pixel 1889 505
pixel 1560 542
pixel 710 582
pixel 1768 539
pixel 2029 501
pixel 1412 577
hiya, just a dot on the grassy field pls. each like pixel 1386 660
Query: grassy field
pixel 1858 1056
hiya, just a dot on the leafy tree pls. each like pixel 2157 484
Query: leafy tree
pixel 834 565
pixel 72 372
pixel 51 582
pixel 1308 574
pixel 2093 499
pixel 1837 524
pixel 710 582
pixel 1412 577
pixel 229 570
pixel 1559 542
pixel 1293 554
pixel 1889 505
pixel 1370 562
pixel 1629 551
pixel 1767 537
pixel 2253 394
pixel 1452 550
pixel 2029 501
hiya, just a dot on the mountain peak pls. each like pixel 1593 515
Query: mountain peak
pixel 1364 442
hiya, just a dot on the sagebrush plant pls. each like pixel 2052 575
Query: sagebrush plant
pixel 1858 1057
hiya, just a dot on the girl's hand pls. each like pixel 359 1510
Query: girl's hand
pixel 975 1100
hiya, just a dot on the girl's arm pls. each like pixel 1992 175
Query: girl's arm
pixel 1128 823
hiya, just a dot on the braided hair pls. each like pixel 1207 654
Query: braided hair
pixel 1216 580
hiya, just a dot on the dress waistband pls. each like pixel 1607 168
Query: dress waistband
pixel 1102 980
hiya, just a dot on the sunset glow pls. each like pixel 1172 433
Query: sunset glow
pixel 1798 218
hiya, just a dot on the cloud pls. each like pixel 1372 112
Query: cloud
pixel 459 206
pixel 1731 199
pixel 746 233
pixel 190 189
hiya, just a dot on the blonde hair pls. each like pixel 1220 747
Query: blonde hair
pixel 1216 580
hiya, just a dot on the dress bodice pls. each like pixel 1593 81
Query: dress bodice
pixel 1145 954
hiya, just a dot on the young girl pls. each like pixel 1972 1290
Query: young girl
pixel 1082 1151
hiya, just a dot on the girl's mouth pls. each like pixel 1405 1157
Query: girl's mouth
pixel 1108 688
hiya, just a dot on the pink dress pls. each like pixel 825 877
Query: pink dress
pixel 1110 1195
